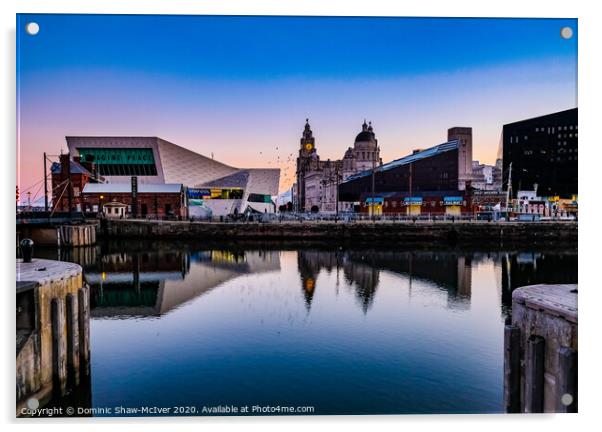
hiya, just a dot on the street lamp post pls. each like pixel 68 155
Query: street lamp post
pixel 45 186
pixel 374 155
pixel 372 203
pixel 508 191
pixel 338 178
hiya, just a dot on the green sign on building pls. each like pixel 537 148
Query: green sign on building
pixel 117 156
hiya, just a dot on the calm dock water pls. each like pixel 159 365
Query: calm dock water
pixel 347 331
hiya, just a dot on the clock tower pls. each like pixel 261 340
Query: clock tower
pixel 308 142
pixel 307 161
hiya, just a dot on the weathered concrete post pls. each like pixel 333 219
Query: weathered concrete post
pixel 534 370
pixel 76 235
pixel 567 381
pixel 83 297
pixel 59 347
pixel 72 339
pixel 512 369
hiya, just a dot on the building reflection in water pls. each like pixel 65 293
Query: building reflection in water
pixel 530 268
pixel 448 271
pixel 310 263
pixel 151 281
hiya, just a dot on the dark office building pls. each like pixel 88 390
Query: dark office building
pixel 433 169
pixel 543 151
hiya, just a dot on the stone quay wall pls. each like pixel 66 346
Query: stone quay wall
pixel 490 233
pixel 61 235
pixel 53 313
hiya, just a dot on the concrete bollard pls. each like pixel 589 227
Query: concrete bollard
pixel 546 317
pixel 26 246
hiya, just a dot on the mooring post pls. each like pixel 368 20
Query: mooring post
pixel 534 371
pixel 512 370
pixel 72 339
pixel 59 346
pixel 83 303
pixel 566 393
pixel 26 246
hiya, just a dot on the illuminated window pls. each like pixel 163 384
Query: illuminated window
pixel 259 198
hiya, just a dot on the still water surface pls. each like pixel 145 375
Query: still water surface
pixel 344 331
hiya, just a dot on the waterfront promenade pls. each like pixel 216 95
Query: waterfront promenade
pixel 462 232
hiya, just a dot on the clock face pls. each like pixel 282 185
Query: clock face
pixel 309 146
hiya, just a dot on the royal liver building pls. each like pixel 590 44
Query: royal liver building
pixel 317 180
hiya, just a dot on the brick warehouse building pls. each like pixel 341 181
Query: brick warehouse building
pixel 152 201
pixel 65 191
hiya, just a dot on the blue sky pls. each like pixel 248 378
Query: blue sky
pixel 266 48
pixel 238 86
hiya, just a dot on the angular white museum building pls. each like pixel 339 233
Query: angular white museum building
pixel 212 188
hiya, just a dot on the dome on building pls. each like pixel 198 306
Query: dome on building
pixel 367 134
pixel 364 136
pixel 349 154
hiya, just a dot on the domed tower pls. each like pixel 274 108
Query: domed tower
pixel 365 148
